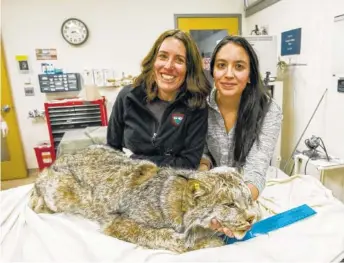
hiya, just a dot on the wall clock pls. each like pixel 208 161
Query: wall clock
pixel 74 31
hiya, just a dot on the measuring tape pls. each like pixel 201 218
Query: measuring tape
pixel 275 222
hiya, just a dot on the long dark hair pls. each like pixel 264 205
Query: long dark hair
pixel 254 102
pixel 197 87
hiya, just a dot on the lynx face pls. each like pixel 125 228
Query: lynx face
pixel 225 197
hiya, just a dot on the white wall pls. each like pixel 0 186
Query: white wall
pixel 121 33
pixel 306 84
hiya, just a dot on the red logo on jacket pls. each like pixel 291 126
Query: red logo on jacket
pixel 177 119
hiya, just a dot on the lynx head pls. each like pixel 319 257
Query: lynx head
pixel 223 196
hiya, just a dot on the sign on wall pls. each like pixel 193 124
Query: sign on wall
pixel 23 63
pixel 46 54
pixel 291 42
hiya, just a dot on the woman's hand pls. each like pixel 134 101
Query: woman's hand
pixel 203 167
pixel 215 225
pixel 254 191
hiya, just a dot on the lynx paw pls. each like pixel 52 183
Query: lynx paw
pixel 177 243
pixel 37 203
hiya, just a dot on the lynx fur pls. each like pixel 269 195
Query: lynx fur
pixel 135 201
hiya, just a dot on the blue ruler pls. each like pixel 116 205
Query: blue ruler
pixel 275 222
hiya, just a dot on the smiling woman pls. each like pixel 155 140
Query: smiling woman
pixel 162 117
pixel 170 68
pixel 244 121
pixel 231 73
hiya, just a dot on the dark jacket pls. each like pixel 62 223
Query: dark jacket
pixel 177 142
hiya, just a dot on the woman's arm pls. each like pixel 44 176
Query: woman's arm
pixel 115 128
pixel 258 160
pixel 260 155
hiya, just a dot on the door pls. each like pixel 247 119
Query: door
pixel 13 164
pixel 207 30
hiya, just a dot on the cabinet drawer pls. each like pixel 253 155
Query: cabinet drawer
pixel 74 125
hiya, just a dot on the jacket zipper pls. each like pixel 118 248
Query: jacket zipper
pixel 154 138
pixel 156 130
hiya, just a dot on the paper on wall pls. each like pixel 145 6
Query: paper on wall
pixel 108 76
pixel 87 76
pixel 46 54
pixel 98 76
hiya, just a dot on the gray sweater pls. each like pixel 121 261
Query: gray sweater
pixel 219 143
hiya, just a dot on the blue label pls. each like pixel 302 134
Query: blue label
pixel 275 222
pixel 291 42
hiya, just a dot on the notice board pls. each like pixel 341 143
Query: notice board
pixel 291 42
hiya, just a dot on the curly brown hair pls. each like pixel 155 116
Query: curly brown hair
pixel 196 87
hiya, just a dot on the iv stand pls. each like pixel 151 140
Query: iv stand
pixel 297 144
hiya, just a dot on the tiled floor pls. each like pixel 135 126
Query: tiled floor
pixel 18 182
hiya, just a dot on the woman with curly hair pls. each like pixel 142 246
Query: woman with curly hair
pixel 162 117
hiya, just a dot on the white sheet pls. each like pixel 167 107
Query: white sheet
pixel 26 236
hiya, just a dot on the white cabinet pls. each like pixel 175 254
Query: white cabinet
pixel 330 175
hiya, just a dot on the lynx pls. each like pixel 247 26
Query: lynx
pixel 138 202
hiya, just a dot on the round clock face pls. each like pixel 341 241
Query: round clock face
pixel 74 31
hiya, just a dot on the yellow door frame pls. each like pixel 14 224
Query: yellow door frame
pixel 236 19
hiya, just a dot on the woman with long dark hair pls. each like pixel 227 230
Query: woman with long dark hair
pixel 244 122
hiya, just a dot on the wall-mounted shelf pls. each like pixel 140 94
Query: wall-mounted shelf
pixel 296 64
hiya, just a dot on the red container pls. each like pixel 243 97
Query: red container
pixel 68 104
pixel 45 155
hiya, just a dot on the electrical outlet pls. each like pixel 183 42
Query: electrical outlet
pixel 29 91
pixel 36 114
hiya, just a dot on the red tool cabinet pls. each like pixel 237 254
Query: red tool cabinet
pixel 66 115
